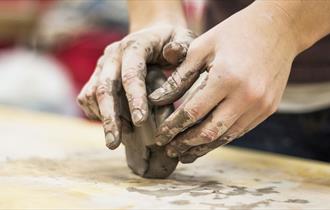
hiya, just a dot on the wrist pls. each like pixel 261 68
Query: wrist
pixel 307 21
pixel 156 21
pixel 149 13
pixel 281 23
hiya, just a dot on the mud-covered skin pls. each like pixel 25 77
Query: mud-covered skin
pixel 143 156
pixel 189 154
pixel 161 45
pixel 243 88
pixel 124 64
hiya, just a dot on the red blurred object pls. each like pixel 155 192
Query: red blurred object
pixel 80 55
pixel 19 6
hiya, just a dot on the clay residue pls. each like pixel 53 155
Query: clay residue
pixel 266 190
pixel 302 201
pixel 173 125
pixel 174 53
pixel 175 87
pixel 142 155
pixel 253 205
pixel 181 202
pixel 94 170
pixel 219 190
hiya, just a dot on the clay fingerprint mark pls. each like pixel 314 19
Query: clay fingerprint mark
pixel 302 201
pixel 264 203
pixel 219 192
pixel 217 189
pixel 181 202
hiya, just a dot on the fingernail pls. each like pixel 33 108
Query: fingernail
pixel 157 94
pixel 176 46
pixel 110 140
pixel 137 116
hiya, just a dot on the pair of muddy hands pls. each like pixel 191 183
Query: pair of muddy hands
pixel 226 74
pixel 123 69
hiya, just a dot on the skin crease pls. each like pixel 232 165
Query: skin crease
pixel 248 58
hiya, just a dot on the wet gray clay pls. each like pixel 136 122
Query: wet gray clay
pixel 143 156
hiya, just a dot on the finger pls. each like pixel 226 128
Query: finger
pixel 86 98
pixel 90 95
pixel 175 51
pixel 263 109
pixel 214 126
pixel 192 154
pixel 241 126
pixel 86 109
pixel 193 110
pixel 133 77
pixel 154 80
pixel 180 80
pixel 107 95
pixel 87 102
pixel 257 121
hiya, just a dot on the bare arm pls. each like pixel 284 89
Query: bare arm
pixel 309 20
pixel 146 13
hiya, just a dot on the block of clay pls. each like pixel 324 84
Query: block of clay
pixel 143 156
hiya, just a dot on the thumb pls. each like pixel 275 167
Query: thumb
pixel 175 51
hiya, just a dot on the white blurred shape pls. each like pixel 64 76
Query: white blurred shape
pixel 35 81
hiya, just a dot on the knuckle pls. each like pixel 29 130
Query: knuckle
pixel 130 42
pixel 253 92
pixel 85 95
pixel 234 133
pixel 107 120
pixel 193 47
pixel 209 134
pixel 231 78
pixel 89 95
pixel 173 81
pixel 101 90
pixel 130 76
pixel 111 48
pixel 81 99
pixel 100 62
pixel 236 130
pixel 189 35
pixel 191 113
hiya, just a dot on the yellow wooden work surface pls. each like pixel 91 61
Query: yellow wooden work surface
pixel 47 161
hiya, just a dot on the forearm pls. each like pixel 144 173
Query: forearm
pixel 147 12
pixel 309 20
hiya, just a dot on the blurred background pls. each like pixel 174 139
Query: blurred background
pixel 49 48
